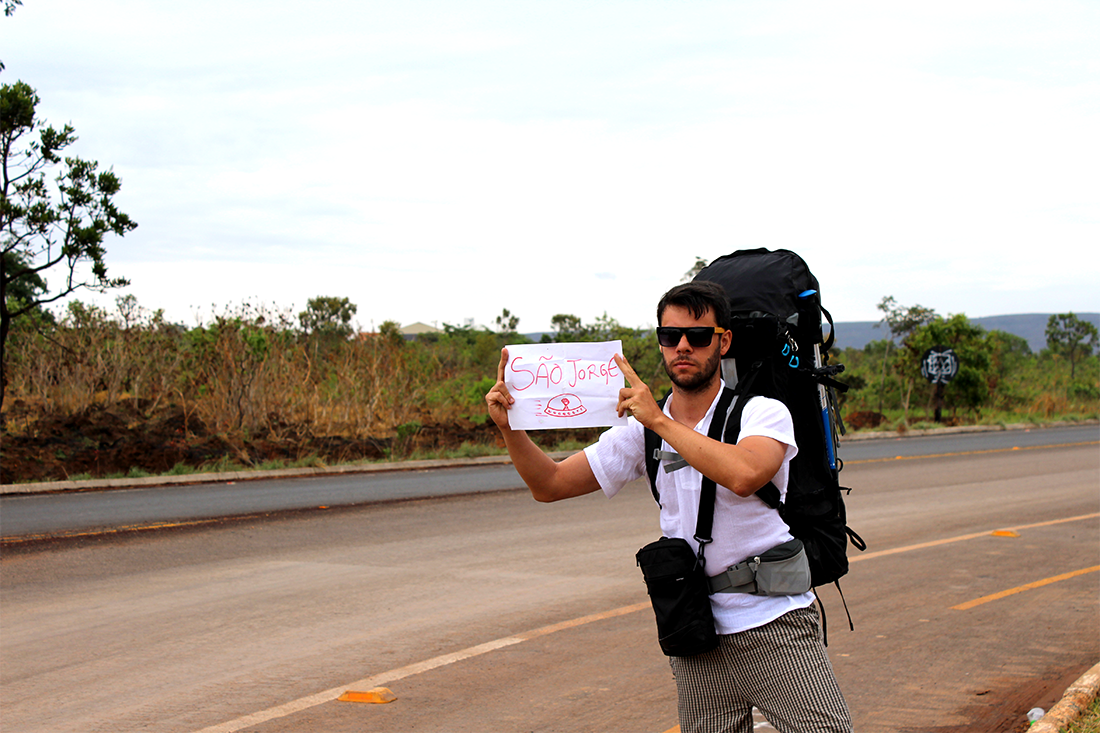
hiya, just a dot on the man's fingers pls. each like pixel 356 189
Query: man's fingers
pixel 501 389
pixel 499 393
pixel 632 377
pixel 624 396
pixel 499 397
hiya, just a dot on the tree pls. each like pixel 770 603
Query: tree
pixel 390 331
pixel 970 387
pixel 24 290
pixel 1071 337
pixel 506 322
pixel 9 9
pixel 328 316
pixel 700 263
pixel 1009 355
pixel 567 327
pixel 901 321
pixel 44 226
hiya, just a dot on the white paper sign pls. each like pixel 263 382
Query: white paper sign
pixel 571 385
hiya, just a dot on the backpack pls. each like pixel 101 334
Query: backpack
pixel 779 351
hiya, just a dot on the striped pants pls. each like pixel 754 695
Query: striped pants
pixel 780 668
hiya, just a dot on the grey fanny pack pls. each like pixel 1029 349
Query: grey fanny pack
pixel 784 570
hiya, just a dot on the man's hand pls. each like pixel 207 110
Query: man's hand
pixel 498 399
pixel 636 399
pixel 548 480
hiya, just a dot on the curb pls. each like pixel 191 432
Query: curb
pixel 224 476
pixel 148 482
pixel 1074 703
pixel 882 435
pixel 43 487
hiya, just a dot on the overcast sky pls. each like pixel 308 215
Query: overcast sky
pixel 441 161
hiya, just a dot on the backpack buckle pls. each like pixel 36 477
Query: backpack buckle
pixel 790 349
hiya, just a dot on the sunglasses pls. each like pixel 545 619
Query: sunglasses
pixel 698 336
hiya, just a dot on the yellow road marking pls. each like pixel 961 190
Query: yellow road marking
pixel 105 531
pixel 303 703
pixel 1006 532
pixel 960 538
pixel 443 660
pixel 1020 589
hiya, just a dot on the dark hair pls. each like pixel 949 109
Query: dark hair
pixel 698 296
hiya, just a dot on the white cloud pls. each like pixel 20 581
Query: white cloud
pixel 439 161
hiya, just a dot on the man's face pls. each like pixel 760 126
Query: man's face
pixel 692 369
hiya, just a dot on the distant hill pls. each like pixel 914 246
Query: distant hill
pixel 1030 326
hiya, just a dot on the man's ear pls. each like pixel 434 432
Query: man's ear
pixel 727 341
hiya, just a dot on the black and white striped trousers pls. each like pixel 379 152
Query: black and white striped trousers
pixel 780 668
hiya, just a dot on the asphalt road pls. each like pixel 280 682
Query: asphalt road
pixel 29 515
pixel 78 511
pixel 490 612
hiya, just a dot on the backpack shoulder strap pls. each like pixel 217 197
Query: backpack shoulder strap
pixel 718 425
pixel 768 493
pixel 652 460
pixel 653 453
pixel 729 432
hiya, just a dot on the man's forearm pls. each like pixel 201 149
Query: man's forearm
pixel 547 479
pixel 532 465
pixel 742 468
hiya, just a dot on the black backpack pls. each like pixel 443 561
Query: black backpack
pixel 779 351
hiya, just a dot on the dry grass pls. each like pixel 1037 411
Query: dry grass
pixel 242 374
pixel 1090 722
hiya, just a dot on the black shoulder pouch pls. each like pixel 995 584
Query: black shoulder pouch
pixel 680 596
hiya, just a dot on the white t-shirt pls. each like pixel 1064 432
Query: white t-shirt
pixel 743 526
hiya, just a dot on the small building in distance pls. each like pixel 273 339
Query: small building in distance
pixel 417 329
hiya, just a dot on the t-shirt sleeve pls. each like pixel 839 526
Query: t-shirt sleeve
pixel 617 457
pixel 771 419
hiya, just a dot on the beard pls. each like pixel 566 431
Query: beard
pixel 700 380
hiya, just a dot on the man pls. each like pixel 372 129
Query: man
pixel 770 654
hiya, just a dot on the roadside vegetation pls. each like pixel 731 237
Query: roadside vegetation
pixel 1089 722
pixel 260 387
pixel 999 380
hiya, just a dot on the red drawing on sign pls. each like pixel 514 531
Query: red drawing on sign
pixel 565 405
